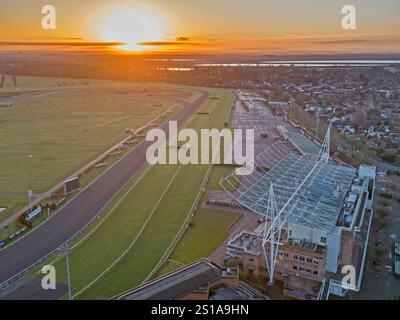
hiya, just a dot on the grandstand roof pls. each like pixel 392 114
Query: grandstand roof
pixel 321 198
pixel 302 143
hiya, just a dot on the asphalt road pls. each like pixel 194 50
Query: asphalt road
pixel 77 213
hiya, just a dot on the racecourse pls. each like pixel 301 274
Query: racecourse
pixel 77 213
pixel 141 226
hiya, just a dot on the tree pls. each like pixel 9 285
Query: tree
pixel 389 157
pixel 379 152
pixel 355 148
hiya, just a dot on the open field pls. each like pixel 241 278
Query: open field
pixel 55 125
pixel 86 177
pixel 29 83
pixel 207 231
pixel 37 84
pixel 142 225
pixel 43 139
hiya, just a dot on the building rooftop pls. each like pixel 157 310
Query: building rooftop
pixel 307 286
pixel 367 171
pixel 242 292
pixel 303 144
pixel 397 265
pixel 397 248
pixel 246 241
pixel 200 277
pixel 176 283
pixel 319 201
pixel 305 246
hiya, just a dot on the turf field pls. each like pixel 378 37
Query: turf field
pixel 54 126
pixel 207 231
pixel 130 242
pixel 45 138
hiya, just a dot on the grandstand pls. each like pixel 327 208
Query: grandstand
pixel 318 206
pixel 301 143
pixel 303 198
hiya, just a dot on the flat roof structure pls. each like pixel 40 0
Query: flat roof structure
pixel 397 258
pixel 247 241
pixel 308 286
pixel 243 292
pixel 397 265
pixel 199 277
pixel 175 283
pixel 303 144
pixel 305 246
pixel 317 205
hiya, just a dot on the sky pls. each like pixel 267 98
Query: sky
pixel 234 26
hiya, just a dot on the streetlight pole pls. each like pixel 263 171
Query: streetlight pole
pixel 317 113
pixel 30 194
pixel 65 251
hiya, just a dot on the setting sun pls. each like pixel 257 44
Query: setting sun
pixel 131 25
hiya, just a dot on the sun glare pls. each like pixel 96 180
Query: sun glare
pixel 132 26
